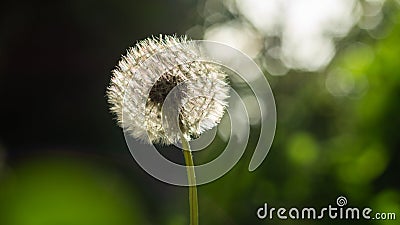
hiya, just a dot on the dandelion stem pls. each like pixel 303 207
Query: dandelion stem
pixel 193 202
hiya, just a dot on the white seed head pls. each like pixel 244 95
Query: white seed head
pixel 164 86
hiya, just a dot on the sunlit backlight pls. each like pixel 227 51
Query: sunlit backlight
pixel 307 29
pixel 237 35
pixel 340 82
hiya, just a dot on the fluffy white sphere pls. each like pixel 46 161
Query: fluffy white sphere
pixel 150 71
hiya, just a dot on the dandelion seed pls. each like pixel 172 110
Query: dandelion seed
pixel 155 68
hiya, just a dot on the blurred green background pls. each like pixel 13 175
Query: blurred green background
pixel 333 67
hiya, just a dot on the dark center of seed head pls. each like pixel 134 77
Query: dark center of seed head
pixel 162 87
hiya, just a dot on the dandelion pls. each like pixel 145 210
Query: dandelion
pixel 164 91
pixel 199 101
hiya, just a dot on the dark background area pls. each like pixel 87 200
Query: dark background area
pixel 56 59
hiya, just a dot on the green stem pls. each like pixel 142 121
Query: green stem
pixel 193 202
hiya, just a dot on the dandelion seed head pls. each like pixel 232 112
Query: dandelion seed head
pixel 163 87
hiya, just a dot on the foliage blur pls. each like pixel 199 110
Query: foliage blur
pixel 336 83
